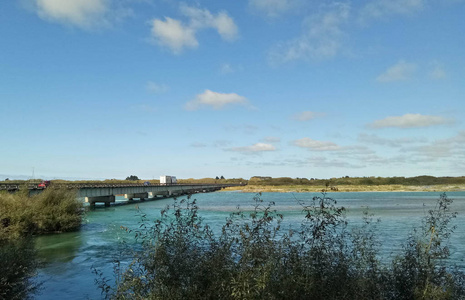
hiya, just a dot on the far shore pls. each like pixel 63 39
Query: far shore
pixel 346 188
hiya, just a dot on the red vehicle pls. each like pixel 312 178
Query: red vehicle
pixel 44 184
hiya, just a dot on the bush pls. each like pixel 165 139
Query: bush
pixel 53 210
pixel 21 216
pixel 254 258
pixel 18 264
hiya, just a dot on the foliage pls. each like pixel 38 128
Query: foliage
pixel 18 264
pixel 255 258
pixel 21 216
pixel 132 178
pixel 415 181
pixel 53 210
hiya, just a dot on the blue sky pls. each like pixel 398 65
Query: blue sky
pixel 107 88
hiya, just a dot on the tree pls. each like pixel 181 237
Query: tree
pixel 217 178
pixel 132 177
pixel 222 177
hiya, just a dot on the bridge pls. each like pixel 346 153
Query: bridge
pixel 106 193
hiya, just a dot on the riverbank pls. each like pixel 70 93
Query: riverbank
pixel 347 188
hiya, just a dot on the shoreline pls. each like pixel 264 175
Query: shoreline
pixel 346 188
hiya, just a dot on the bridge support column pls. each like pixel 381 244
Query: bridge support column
pixel 100 199
pixel 141 196
pixel 158 194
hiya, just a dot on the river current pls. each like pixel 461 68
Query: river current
pixel 70 257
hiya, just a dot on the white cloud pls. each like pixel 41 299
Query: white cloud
pixel 273 8
pixel 322 37
pixel 81 13
pixel 256 148
pixel 382 8
pixel 178 36
pixel 156 88
pixel 215 100
pixel 410 121
pixel 316 145
pixel 173 34
pixel 398 72
pixel 85 14
pixel 202 18
pixel 307 115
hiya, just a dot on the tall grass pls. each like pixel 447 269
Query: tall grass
pixel 254 258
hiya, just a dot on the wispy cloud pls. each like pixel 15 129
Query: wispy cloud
pixel 315 145
pixel 307 115
pixel 198 145
pixel 271 139
pixel 157 88
pixel 274 8
pixel 226 69
pixel 323 162
pixel 395 143
pixel 452 148
pixel 177 36
pixel 145 108
pixel 322 37
pixel 410 121
pixel 437 71
pixel 256 148
pixel 398 72
pixel 377 9
pixel 244 128
pixel 215 100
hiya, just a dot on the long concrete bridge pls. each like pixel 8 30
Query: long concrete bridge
pixel 106 193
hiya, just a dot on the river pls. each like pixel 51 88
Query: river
pixel 70 257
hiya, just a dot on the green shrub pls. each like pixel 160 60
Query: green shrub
pixel 255 258
pixel 18 264
pixel 53 210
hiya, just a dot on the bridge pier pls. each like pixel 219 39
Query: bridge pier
pixel 141 196
pixel 105 199
pixel 158 193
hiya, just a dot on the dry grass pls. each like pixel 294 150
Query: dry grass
pixel 347 188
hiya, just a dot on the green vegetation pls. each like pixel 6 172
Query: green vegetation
pixel 18 264
pixel 286 184
pixel 21 216
pixel 53 210
pixel 254 258
pixel 412 181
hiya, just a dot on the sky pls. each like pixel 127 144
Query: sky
pixel 97 89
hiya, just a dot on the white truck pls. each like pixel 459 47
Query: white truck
pixel 167 180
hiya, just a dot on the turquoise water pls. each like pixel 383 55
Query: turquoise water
pixel 70 257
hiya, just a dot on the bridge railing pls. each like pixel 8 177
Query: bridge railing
pixel 14 187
